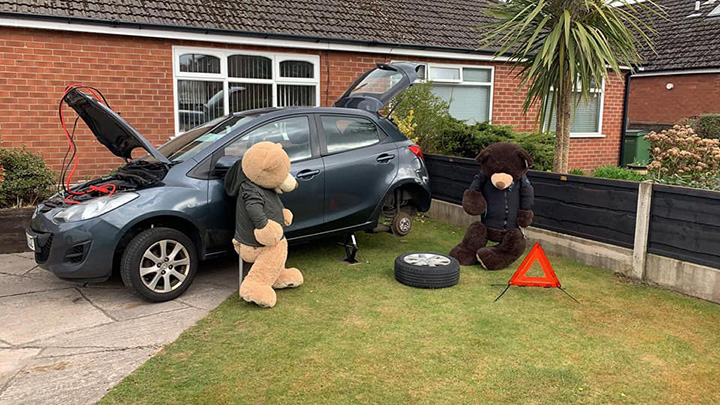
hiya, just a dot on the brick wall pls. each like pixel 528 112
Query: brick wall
pixel 590 153
pixel 135 74
pixel 651 102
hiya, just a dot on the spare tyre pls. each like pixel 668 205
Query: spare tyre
pixel 427 270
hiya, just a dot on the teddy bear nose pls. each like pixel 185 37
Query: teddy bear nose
pixel 500 184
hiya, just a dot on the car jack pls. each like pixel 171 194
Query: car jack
pixel 351 248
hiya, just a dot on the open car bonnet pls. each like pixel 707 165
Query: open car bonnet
pixel 373 90
pixel 109 128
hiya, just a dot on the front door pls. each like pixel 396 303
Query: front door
pixel 360 165
pixel 296 135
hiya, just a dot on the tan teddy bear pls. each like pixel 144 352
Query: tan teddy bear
pixel 256 180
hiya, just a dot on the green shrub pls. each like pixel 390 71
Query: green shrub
pixel 577 172
pixel 704 181
pixel 26 179
pixel 706 125
pixel 618 173
pixel 540 146
pixel 437 132
pixel 431 115
pixel 467 140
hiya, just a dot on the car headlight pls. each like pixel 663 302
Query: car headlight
pixel 94 207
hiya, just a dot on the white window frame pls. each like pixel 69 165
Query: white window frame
pixel 491 84
pixel 223 54
pixel 599 133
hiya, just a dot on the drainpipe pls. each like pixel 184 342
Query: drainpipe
pixel 626 96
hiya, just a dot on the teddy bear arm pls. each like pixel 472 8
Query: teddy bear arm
pixel 473 202
pixel 524 218
pixel 287 216
pixel 269 235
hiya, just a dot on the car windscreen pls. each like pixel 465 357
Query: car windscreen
pixel 194 141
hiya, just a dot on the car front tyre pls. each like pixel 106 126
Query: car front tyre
pixel 159 264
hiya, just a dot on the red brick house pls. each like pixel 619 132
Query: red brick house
pixel 162 66
pixel 683 79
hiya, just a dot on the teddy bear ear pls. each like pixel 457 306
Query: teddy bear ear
pixel 526 157
pixel 482 157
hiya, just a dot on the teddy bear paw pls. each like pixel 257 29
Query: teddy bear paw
pixel 489 259
pixel 288 278
pixel 261 295
pixel 463 255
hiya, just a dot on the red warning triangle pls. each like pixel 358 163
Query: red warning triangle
pixel 537 254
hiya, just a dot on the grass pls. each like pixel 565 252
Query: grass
pixel 352 334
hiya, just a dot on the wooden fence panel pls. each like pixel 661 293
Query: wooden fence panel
pixel 685 224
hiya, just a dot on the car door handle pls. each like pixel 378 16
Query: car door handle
pixel 307 174
pixel 385 157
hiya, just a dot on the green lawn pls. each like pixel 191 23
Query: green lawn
pixel 352 334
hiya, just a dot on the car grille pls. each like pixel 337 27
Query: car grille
pixel 42 251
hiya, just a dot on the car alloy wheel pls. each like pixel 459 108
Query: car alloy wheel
pixel 164 266
pixel 426 259
pixel 427 270
pixel 159 264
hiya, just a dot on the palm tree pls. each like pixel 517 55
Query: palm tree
pixel 562 47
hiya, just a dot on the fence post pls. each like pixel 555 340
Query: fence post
pixel 642 227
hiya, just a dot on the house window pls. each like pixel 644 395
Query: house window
pixel 468 89
pixel 210 83
pixel 586 115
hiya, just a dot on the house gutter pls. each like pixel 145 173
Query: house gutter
pixel 87 25
pixel 674 72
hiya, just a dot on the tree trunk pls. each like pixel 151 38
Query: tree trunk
pixel 562 127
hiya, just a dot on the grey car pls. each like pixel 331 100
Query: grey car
pixel 168 210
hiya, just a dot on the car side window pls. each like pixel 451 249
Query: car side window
pixel 292 133
pixel 344 133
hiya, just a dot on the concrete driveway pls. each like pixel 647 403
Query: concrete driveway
pixel 64 343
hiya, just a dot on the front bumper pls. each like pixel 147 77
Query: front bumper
pixel 79 251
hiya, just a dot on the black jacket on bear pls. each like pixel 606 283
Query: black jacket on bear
pixel 255 205
pixel 503 205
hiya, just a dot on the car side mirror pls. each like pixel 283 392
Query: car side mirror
pixel 225 163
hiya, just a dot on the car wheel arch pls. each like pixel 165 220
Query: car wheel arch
pixel 149 221
pixel 419 194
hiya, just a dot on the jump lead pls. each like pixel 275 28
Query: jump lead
pixel 66 179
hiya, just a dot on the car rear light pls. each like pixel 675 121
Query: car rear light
pixel 416 151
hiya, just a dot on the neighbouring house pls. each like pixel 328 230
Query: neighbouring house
pixel 167 66
pixel 682 78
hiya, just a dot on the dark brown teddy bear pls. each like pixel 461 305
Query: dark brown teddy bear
pixel 503 195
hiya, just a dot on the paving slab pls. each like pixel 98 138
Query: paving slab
pixel 207 295
pixel 41 274
pixel 17 285
pixel 40 315
pixel 120 304
pixel 80 379
pixel 12 361
pixel 151 330
pixel 15 263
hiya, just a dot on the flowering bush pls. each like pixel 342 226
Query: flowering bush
pixel 406 125
pixel 680 156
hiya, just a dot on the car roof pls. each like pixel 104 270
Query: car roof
pixel 281 111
